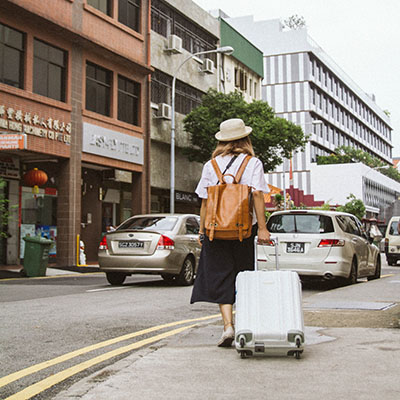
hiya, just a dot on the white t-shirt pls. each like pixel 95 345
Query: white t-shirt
pixel 253 175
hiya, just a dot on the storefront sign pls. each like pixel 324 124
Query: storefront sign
pixel 12 142
pixel 9 167
pixel 107 143
pixel 20 121
pixel 185 197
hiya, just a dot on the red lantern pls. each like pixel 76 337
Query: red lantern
pixel 35 178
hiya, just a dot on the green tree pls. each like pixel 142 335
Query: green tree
pixel 353 206
pixel 273 138
pixel 346 154
pixel 325 207
pixel 295 22
pixel 278 201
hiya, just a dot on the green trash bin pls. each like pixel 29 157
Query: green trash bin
pixel 36 255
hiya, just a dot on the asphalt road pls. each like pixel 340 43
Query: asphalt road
pixel 45 318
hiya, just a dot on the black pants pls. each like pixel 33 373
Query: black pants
pixel 220 262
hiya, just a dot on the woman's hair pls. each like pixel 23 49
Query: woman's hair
pixel 234 147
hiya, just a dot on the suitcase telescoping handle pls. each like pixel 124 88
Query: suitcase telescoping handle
pixel 274 242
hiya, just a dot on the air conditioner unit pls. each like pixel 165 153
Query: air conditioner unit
pixel 164 111
pixel 174 44
pixel 208 66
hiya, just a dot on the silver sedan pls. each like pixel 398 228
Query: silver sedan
pixel 163 244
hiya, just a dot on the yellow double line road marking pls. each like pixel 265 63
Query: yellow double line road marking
pixel 60 376
pixel 46 383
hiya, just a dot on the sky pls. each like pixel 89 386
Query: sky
pixel 361 36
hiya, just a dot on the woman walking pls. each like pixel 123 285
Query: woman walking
pixel 222 260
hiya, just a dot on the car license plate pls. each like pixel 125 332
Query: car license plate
pixel 130 245
pixel 295 247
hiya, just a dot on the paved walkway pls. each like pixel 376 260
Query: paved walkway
pixel 338 363
pixel 13 271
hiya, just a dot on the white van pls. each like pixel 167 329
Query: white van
pixel 392 241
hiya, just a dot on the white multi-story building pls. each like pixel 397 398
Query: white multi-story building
pixel 304 85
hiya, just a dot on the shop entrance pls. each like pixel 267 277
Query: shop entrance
pixel 3 220
pixel 39 217
pixel 109 220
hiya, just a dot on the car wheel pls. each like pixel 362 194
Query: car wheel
pixel 115 278
pixel 186 276
pixel 352 279
pixel 392 261
pixel 377 274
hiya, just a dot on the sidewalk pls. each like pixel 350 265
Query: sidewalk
pixel 339 362
pixel 13 271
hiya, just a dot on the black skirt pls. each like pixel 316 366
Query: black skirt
pixel 220 262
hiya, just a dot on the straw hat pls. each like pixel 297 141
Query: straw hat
pixel 232 129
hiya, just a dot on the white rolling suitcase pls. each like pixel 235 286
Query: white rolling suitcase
pixel 269 315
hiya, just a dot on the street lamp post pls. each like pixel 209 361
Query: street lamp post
pixel 222 50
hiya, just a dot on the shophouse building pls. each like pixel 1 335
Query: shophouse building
pixel 304 85
pixel 179 30
pixel 244 71
pixel 74 90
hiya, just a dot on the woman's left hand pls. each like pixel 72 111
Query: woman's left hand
pixel 263 236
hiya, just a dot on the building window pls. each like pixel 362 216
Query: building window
pixel 240 79
pixel 186 97
pixel 11 56
pixel 128 100
pixel 129 13
pixel 160 87
pixel 102 5
pixel 165 20
pixel 313 96
pixel 49 70
pixel 98 89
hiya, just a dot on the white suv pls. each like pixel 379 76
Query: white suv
pixel 392 241
pixel 325 244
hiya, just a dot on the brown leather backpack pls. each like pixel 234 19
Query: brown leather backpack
pixel 229 207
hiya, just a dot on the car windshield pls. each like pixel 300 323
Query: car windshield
pixel 300 223
pixel 149 224
pixel 393 229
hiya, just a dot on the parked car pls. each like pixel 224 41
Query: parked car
pixel 323 244
pixel 164 244
pixel 392 241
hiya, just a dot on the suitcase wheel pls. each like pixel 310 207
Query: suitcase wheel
pixel 242 342
pixel 245 353
pixel 297 354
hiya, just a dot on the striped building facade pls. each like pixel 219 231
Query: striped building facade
pixel 305 86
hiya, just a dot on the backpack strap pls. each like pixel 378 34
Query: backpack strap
pixel 242 168
pixel 237 178
pixel 216 169
pixel 214 214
